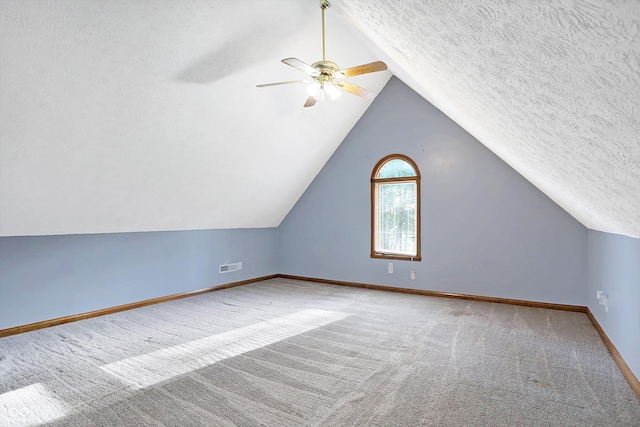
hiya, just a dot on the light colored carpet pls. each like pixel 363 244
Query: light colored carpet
pixel 290 353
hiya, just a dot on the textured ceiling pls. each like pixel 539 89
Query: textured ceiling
pixel 123 115
pixel 551 87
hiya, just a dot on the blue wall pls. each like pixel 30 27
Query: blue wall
pixel 614 267
pixel 485 229
pixel 45 277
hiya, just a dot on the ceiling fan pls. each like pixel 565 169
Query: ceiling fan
pixel 326 75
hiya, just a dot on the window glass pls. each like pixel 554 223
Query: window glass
pixel 396 168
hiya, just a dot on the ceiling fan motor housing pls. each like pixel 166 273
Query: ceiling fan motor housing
pixel 326 70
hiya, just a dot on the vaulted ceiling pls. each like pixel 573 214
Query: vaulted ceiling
pixel 143 115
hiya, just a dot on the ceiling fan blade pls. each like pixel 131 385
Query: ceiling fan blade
pixel 371 67
pixel 311 101
pixel 302 66
pixel 356 90
pixel 282 83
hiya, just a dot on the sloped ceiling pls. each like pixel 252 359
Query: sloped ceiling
pixel 551 87
pixel 123 115
pixel 143 115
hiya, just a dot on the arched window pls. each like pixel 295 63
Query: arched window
pixel 395 209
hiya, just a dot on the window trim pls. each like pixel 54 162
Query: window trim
pixel 375 180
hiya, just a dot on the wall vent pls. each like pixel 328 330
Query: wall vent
pixel 228 268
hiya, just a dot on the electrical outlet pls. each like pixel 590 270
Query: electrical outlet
pixel 240 265
pixel 413 275
pixel 390 268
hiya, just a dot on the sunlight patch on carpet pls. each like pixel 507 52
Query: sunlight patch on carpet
pixel 29 406
pixel 164 364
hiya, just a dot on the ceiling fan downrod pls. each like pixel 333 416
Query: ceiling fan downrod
pixel 324 4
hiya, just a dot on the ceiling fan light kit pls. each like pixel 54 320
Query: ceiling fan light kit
pixel 326 75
